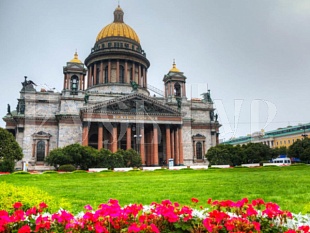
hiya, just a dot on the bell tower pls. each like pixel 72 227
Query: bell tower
pixel 74 76
pixel 174 83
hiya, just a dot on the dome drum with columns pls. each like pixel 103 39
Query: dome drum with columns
pixel 117 58
pixel 106 103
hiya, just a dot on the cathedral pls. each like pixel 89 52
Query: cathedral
pixel 106 102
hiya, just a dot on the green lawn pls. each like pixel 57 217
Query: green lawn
pixel 287 186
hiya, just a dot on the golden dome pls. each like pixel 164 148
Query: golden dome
pixel 174 68
pixel 76 58
pixel 118 28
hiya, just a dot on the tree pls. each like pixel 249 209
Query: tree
pixel 10 151
pixel 256 152
pixel 279 151
pixel 80 156
pixel 109 160
pixel 223 154
pixel 57 157
pixel 131 158
pixel 300 149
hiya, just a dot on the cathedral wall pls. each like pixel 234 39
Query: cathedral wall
pixel 29 130
pixel 71 106
pixel 70 134
pixel 42 104
pixel 187 145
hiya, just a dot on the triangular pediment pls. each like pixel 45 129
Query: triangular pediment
pixel 132 104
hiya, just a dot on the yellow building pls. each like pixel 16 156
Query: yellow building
pixel 275 138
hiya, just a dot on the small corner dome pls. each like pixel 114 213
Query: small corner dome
pixel 118 28
pixel 174 68
pixel 76 59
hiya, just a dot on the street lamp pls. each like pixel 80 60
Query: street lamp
pixel 137 137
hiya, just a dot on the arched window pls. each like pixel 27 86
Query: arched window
pixel 121 74
pixel 40 151
pixel 199 150
pixel 106 73
pixel 74 85
pixel 177 89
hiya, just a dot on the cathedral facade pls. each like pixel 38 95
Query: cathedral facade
pixel 106 103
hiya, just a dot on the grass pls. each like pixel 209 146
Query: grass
pixel 287 186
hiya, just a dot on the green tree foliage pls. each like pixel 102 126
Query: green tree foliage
pixel 82 156
pixel 85 157
pixel 256 152
pixel 10 151
pixel 225 154
pixel 131 158
pixel 57 157
pixel 300 149
pixel 279 151
pixel 75 154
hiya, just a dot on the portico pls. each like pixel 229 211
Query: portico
pixel 136 122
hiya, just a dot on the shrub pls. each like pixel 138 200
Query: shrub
pixel 21 173
pixel 50 172
pixel 80 156
pixel 106 159
pixel 67 168
pixel 10 151
pixel 57 157
pixel 79 171
pixel 131 158
pixel 29 196
pixel 299 164
pixel 7 166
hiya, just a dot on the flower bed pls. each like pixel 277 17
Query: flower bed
pixel 223 216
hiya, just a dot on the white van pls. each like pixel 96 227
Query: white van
pixel 281 161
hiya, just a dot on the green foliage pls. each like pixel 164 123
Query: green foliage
pixel 82 156
pixel 7 166
pixel 79 171
pixel 76 154
pixel 279 151
pixel 21 173
pixel 57 157
pixel 67 168
pixel 10 151
pixel 300 149
pixel 225 155
pixel 255 152
pixel 50 172
pixel 131 158
pixel 102 158
pixel 29 197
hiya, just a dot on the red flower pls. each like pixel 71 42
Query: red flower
pixel 42 205
pixel 195 200
pixel 17 205
pixel 24 229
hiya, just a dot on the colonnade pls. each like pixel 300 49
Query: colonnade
pixel 103 69
pixel 146 139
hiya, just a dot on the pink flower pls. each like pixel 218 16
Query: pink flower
pixel 88 207
pixel 154 228
pixel 134 228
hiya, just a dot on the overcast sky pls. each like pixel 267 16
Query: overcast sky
pixel 254 55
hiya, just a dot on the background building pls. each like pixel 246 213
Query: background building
pixel 106 103
pixel 275 138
